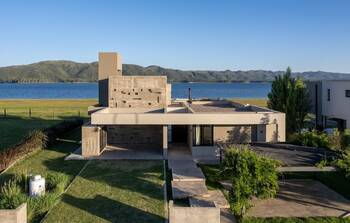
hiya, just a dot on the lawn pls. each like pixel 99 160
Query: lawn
pixel 114 191
pixel 48 161
pixel 43 113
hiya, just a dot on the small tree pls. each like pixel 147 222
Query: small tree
pixel 289 95
pixel 252 175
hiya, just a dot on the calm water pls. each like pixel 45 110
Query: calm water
pixel 89 90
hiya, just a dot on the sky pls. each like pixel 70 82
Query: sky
pixel 307 35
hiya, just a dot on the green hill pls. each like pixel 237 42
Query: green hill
pixel 69 71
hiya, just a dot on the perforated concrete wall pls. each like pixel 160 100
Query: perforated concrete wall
pixel 137 92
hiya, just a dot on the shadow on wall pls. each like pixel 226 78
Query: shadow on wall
pixel 111 210
pixel 240 134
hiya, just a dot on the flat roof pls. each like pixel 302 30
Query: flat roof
pixel 223 106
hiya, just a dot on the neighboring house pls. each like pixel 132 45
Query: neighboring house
pixel 138 112
pixel 330 100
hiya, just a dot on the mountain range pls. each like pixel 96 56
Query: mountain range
pixel 69 71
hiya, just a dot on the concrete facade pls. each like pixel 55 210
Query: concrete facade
pixel 137 92
pixel 138 110
pixel 330 101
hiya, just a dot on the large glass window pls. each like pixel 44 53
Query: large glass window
pixel 347 93
pixel 328 94
pixel 203 135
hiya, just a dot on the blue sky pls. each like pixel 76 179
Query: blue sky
pixel 307 35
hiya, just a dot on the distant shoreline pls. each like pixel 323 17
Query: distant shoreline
pixel 192 82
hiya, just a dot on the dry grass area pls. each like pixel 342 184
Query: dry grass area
pixel 257 102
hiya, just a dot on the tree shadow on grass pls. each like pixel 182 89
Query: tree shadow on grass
pixel 52 161
pixel 140 180
pixel 111 210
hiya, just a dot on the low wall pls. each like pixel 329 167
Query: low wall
pixel 193 214
pixel 18 215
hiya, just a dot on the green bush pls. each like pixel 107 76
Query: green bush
pixel 11 195
pixel 312 138
pixel 57 182
pixel 36 140
pixel 15 192
pixel 344 164
pixel 252 175
pixel 337 141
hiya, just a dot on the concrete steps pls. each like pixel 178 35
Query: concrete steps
pixel 186 189
pixel 215 196
pixel 188 174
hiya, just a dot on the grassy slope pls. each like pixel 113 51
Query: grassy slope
pixel 114 191
pixel 48 161
pixel 18 124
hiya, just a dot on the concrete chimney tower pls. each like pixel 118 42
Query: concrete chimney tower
pixel 109 64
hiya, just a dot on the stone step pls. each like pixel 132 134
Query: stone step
pixel 188 174
pixel 186 189
pixel 227 217
pixel 177 164
pixel 199 202
pixel 217 197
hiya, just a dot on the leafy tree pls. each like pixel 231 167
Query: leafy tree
pixel 252 176
pixel 289 95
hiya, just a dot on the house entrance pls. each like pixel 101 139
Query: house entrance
pixel 179 133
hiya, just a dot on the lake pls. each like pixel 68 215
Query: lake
pixel 90 90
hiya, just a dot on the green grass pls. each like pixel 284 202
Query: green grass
pixel 48 161
pixel 212 176
pixel 114 191
pixel 44 113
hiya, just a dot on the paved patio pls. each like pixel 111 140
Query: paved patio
pixel 291 156
pixel 135 152
pixel 301 198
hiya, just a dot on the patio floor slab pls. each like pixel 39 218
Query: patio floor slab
pixel 301 198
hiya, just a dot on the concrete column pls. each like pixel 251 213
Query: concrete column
pixel 91 143
pixel 165 141
pixel 109 64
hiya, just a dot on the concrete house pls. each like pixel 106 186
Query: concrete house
pixel 330 100
pixel 137 113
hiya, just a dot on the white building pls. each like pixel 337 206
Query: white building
pixel 331 101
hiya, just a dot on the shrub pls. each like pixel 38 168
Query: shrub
pixel 312 138
pixel 11 195
pixel 57 182
pixel 335 140
pixel 252 175
pixel 344 164
pixel 345 140
pixel 36 140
